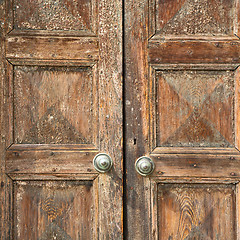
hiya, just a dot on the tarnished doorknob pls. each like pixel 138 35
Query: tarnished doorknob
pixel 144 166
pixel 102 162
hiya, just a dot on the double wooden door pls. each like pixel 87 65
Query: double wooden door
pixel 153 78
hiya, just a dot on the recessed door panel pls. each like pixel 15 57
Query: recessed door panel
pixel 63 15
pixel 197 17
pixel 195 108
pixel 55 209
pixel 196 211
pixel 54 105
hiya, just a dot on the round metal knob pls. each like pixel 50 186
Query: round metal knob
pixel 144 166
pixel 102 162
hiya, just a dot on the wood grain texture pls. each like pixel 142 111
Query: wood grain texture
pixel 31 47
pixel 164 42
pixel 195 108
pixel 63 147
pixel 54 177
pixel 5 181
pixel 237 22
pixel 58 61
pixel 54 105
pixel 199 17
pixel 55 209
pixel 237 210
pixel 194 52
pixel 50 161
pixel 196 211
pixel 237 105
pixel 54 15
pixel 2 129
pixel 37 44
pixel 111 117
pixel 196 165
pixel 136 118
pixel 195 150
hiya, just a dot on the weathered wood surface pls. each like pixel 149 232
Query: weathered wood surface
pixel 61 104
pixel 237 107
pixel 197 211
pixel 54 210
pixel 5 182
pixel 67 15
pixel 136 118
pixel 195 108
pixel 202 151
pixel 181 99
pixel 157 34
pixel 50 161
pixel 196 165
pixel 201 17
pixel 40 47
pixel 66 147
pixel 54 105
pixel 111 117
pixel 194 51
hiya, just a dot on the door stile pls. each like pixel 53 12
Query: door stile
pixel 110 115
pixel 5 182
pixel 136 117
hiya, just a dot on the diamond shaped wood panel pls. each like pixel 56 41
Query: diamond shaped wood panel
pixel 53 105
pixel 53 210
pixel 195 108
pixel 190 17
pixel 199 211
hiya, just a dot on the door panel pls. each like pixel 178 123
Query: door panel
pixel 76 16
pixel 206 211
pixel 187 108
pixel 53 208
pixel 61 104
pixel 182 111
pixel 54 105
pixel 200 17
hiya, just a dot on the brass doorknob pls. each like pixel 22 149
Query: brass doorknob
pixel 102 162
pixel 144 166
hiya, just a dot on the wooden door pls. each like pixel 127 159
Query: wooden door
pixel 61 104
pixel 182 101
